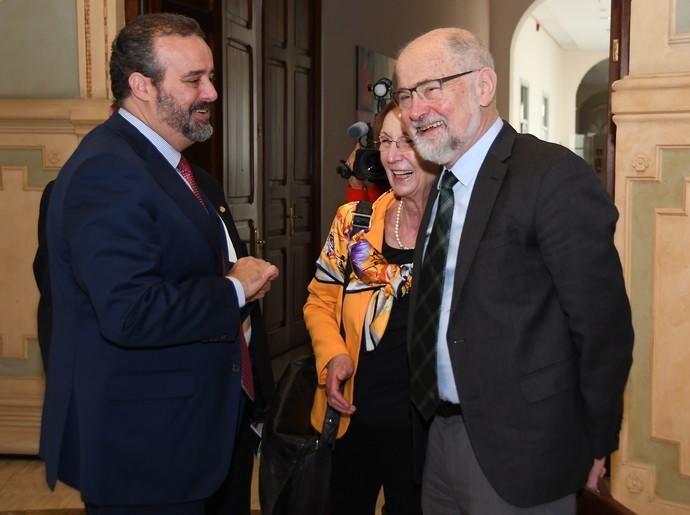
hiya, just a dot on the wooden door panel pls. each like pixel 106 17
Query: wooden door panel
pixel 304 23
pixel 290 157
pixel 275 304
pixel 241 115
pixel 275 20
pixel 275 133
pixel 239 172
pixel 239 12
pixel 302 125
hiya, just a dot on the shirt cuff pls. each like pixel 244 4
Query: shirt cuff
pixel 241 299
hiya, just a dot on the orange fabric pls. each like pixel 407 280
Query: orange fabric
pixel 323 307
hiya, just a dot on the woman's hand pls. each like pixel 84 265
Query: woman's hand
pixel 340 369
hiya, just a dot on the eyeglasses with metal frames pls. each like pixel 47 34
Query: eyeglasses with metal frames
pixel 403 143
pixel 427 91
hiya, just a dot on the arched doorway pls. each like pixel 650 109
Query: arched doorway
pixel 507 19
pixel 592 117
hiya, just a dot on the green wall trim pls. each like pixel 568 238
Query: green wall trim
pixel 38 176
pixel 646 196
pixel 30 367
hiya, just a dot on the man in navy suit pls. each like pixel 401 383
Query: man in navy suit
pixel 530 334
pixel 151 298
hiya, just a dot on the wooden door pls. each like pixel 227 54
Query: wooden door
pixel 208 154
pixel 266 144
pixel 291 106
pixel 241 79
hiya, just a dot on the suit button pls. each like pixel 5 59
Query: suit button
pixel 458 341
pixel 235 367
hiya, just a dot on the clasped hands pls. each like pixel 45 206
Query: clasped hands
pixel 255 275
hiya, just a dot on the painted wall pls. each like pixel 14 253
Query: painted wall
pixel 42 33
pixel 384 27
pixel 53 90
pixel 651 107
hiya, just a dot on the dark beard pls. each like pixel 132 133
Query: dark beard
pixel 180 119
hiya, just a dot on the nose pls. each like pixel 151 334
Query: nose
pixel 208 91
pixel 418 108
pixel 392 154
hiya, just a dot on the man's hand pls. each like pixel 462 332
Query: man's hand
pixel 340 369
pixel 255 275
pixel 597 471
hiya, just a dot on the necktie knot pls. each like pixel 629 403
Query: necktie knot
pixel 448 180
pixel 186 172
pixel 184 167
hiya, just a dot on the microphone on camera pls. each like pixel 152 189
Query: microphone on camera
pixel 358 129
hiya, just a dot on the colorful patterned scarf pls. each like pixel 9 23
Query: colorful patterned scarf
pixel 371 271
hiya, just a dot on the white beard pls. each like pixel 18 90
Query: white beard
pixel 447 148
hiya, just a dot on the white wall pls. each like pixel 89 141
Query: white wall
pixel 539 61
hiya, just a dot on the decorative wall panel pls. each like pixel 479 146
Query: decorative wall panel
pixel 54 89
pixel 651 473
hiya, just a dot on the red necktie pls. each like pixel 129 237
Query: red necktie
pixel 247 377
pixel 186 172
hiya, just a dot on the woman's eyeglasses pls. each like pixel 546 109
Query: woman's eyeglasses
pixel 404 143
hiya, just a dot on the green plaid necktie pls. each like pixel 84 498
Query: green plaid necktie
pixel 428 282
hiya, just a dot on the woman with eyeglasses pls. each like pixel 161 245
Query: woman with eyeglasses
pixel 374 446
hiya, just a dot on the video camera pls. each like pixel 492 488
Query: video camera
pixel 367 164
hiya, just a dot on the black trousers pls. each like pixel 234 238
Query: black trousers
pixel 234 495
pixel 369 457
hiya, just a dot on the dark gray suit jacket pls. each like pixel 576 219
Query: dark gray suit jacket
pixel 540 333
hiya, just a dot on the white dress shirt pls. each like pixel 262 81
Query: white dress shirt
pixel 465 169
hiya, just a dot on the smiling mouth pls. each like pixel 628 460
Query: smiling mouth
pixel 401 174
pixel 201 110
pixel 422 129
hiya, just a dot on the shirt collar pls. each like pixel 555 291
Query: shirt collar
pixel 171 155
pixel 467 167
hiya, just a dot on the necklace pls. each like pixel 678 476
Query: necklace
pixel 396 227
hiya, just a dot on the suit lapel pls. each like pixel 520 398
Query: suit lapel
pixel 213 191
pixel 486 189
pixel 167 178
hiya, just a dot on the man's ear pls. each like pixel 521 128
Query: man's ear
pixel 486 86
pixel 141 86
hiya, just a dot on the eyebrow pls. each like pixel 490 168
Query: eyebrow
pixel 197 73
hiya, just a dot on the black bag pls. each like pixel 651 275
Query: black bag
pixel 295 461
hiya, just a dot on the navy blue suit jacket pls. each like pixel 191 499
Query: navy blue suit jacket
pixel 142 387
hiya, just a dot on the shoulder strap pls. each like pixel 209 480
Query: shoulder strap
pixel 361 220
pixel 361 217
